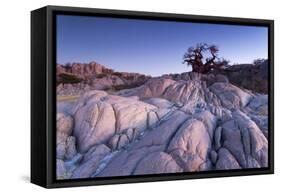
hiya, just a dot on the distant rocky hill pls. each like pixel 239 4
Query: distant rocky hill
pixel 250 76
pixel 192 122
pixel 95 76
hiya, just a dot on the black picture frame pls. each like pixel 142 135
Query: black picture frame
pixel 43 95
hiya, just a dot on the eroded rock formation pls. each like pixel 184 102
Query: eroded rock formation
pixel 163 126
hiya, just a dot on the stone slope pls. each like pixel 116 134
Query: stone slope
pixel 163 126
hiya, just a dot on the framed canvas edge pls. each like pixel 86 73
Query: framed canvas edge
pixel 51 97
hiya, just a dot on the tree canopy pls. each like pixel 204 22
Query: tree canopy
pixel 204 58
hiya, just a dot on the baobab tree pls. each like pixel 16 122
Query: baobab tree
pixel 204 58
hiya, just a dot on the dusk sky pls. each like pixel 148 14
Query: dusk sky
pixel 151 47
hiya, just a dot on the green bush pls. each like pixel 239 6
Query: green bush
pixel 69 78
pixel 120 87
pixel 117 74
pixel 101 75
pixel 125 86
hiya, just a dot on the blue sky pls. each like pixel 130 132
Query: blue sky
pixel 151 47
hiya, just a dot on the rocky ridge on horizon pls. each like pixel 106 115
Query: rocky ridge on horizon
pixel 96 76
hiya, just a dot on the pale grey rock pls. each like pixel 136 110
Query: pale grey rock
pixel 131 134
pixel 191 145
pixel 209 120
pixel 65 147
pixel 64 123
pixel 132 114
pixel 61 145
pixel 60 150
pixel 217 138
pixel 87 98
pixel 123 141
pixel 152 119
pixel 163 112
pixel 259 103
pixel 70 148
pixel 232 141
pixel 243 138
pixel 125 162
pixel 258 111
pixel 118 141
pixel 94 124
pixel 230 96
pixel 61 172
pixel 187 92
pixel 214 156
pixel 156 163
pixel 113 142
pixel 254 140
pixel 262 123
pixel 167 129
pixel 99 120
pixel 65 107
pixel 159 102
pixel 226 161
pixel 72 163
pixel 100 149
pixel 154 87
pixel 90 162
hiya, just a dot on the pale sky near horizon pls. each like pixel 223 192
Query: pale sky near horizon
pixel 152 47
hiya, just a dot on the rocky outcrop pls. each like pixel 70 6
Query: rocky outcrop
pixel 201 123
pixel 91 161
pixel 196 89
pixel 95 76
pixel 249 76
pixel 101 117
pixel 84 70
pixel 66 145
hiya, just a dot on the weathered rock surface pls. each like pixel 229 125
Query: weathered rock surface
pixel 191 145
pixel 196 89
pixel 66 148
pixel 157 162
pixel 164 126
pixel 64 123
pixel 90 161
pixel 226 161
pixel 100 118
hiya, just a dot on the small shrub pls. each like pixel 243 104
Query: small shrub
pixel 117 74
pixel 68 78
pixel 130 77
pixel 120 87
pixel 125 86
pixel 101 75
